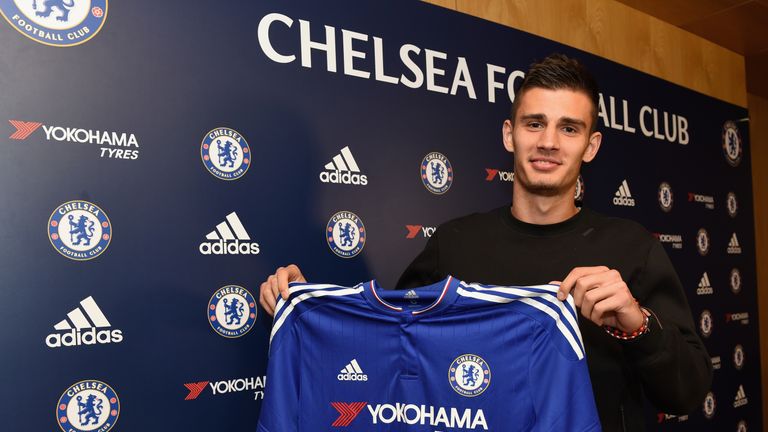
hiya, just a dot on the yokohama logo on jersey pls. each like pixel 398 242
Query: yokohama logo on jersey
pixel 411 414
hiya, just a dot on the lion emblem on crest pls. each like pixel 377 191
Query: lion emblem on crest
pixel 48 6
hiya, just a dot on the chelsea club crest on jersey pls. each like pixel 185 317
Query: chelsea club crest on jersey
pixel 469 375
pixel 86 406
pixel 59 23
pixel 79 230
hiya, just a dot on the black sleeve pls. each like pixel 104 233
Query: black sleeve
pixel 424 269
pixel 672 362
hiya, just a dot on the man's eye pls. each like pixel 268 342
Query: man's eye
pixel 570 129
pixel 535 125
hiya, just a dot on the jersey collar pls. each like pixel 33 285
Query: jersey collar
pixel 447 296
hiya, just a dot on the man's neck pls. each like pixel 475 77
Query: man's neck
pixel 542 210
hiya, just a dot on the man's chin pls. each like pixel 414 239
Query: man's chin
pixel 543 189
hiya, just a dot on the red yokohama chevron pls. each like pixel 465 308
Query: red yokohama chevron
pixel 412 230
pixel 23 129
pixel 347 412
pixel 195 389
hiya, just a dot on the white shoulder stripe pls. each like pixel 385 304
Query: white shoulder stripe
pixel 312 294
pixel 302 287
pixel 576 346
pixel 569 313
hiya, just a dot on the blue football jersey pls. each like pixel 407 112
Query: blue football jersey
pixel 451 356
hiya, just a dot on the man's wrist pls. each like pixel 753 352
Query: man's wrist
pixel 644 328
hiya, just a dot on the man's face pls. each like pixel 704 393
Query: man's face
pixel 550 138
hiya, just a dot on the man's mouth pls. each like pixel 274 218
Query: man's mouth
pixel 544 163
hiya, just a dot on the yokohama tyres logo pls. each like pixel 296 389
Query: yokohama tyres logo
pixel 415 230
pixel 493 173
pixel 412 230
pixel 23 129
pixel 347 412
pixel 195 389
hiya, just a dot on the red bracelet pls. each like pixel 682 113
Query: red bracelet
pixel 619 334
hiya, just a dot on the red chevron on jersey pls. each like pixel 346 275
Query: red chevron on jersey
pixel 347 412
pixel 23 129
pixel 195 389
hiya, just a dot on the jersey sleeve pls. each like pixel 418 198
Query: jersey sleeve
pixel 280 409
pixel 673 363
pixel 560 386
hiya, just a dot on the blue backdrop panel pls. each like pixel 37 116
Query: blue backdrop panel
pixel 110 108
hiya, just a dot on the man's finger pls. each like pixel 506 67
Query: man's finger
pixel 266 299
pixel 593 297
pixel 274 290
pixel 587 283
pixel 603 308
pixel 285 275
pixel 577 273
pixel 282 276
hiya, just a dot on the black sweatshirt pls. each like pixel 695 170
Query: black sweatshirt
pixel 669 366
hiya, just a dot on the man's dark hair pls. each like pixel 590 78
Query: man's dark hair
pixel 559 71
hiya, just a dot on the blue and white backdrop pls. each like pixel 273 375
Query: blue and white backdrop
pixel 160 159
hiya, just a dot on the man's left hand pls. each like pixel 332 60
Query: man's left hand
pixel 603 297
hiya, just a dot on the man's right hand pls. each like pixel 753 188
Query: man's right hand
pixel 277 284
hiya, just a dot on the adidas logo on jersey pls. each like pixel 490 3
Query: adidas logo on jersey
pixel 741 398
pixel 343 169
pixel 411 294
pixel 733 245
pixel 229 238
pixel 704 286
pixel 352 372
pixel 84 332
pixel 623 197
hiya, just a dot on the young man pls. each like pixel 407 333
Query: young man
pixel 637 328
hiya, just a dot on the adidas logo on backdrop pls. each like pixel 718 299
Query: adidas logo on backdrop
pixel 343 169
pixel 84 332
pixel 229 238
pixel 741 398
pixel 733 245
pixel 705 287
pixel 352 372
pixel 623 197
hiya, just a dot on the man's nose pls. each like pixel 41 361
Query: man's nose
pixel 549 139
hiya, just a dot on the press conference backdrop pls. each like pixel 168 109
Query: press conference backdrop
pixel 158 163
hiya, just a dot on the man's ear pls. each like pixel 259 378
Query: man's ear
pixel 594 145
pixel 506 135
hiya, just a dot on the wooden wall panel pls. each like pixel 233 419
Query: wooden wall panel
pixel 450 4
pixel 758 135
pixel 622 34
